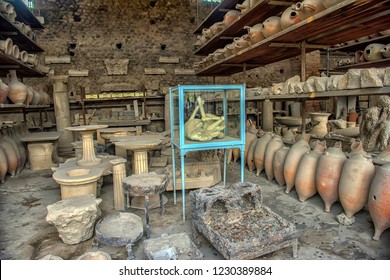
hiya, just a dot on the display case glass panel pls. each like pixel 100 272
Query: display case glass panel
pixel 207 116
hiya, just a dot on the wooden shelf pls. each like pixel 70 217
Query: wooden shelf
pixel 23 14
pixel 257 14
pixel 217 14
pixel 343 22
pixel 368 64
pixel 23 70
pixel 361 45
pixel 8 30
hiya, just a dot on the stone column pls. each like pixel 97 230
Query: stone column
pixel 140 162
pixel 118 174
pixel 62 113
pixel 267 116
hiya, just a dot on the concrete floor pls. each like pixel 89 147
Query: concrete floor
pixel 25 234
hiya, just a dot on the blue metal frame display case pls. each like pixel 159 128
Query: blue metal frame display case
pixel 217 102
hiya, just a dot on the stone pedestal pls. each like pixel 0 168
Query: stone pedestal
pixel 74 218
pixel 119 173
pixel 62 113
pixel 267 116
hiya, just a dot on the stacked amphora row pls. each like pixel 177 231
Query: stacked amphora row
pixel 311 168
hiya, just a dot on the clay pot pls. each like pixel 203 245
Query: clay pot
pixel 11 155
pixel 17 90
pixel 385 51
pixel 278 165
pixel 4 90
pixel 359 57
pixel 23 56
pixel 15 135
pixel 383 157
pixel 373 52
pixel 378 200
pixel 352 116
pixel 3 165
pixel 6 46
pixel 320 122
pixel 244 7
pixel 305 180
pixel 250 157
pixel 328 174
pixel 7 136
pixel 289 18
pixel 15 51
pixel 255 32
pixel 32 59
pixel 354 185
pixel 207 33
pixel 259 155
pixel 37 98
pixel 308 8
pixel 330 3
pixel 217 27
pixel 30 96
pixel 293 159
pixel 6 8
pixel 230 17
pixel 242 42
pixel 273 145
pixel 271 26
pixel 249 137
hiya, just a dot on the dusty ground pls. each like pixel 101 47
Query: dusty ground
pixel 25 234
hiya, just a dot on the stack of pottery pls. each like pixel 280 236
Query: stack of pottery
pixel 293 159
pixel 305 180
pixel 378 200
pixel 328 174
pixel 17 90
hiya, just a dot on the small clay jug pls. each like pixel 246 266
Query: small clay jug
pixel 378 200
pixel 17 90
pixel 328 174
pixel 273 145
pixel 305 180
pixel 255 32
pixel 271 26
pixel 355 180
pixel 293 159
pixel 4 90
pixel 259 154
pixel 278 165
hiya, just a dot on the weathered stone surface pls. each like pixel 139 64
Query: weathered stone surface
pixel 309 85
pixel 298 87
pixel 353 76
pixel 165 59
pixel 372 77
pixel 184 72
pixel 333 82
pixel 386 78
pixel 116 66
pixel 276 89
pixel 342 83
pixel 152 85
pixel 288 85
pixel 74 218
pixel 321 83
pixel 57 59
pixel 344 220
pixel 155 71
pixel 121 87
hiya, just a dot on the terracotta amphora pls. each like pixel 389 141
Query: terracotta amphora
pixel 273 145
pixel 278 165
pixel 308 8
pixel 11 156
pixel 385 51
pixel 378 200
pixel 271 26
pixel 7 137
pixel 305 180
pixel 4 90
pixel 330 3
pixel 15 135
pixel 230 17
pixel 250 156
pixel 249 137
pixel 3 165
pixel 328 174
pixel 293 159
pixel 289 17
pixel 355 180
pixel 17 90
pixel 383 157
pixel 259 155
pixel 255 32
pixel 373 52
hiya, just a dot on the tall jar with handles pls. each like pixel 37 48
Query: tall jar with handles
pixel 259 152
pixel 17 90
pixel 278 165
pixel 328 174
pixel 273 145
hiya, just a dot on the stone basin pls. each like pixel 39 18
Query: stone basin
pixel 291 120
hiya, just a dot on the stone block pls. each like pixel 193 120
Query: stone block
pixel 74 218
pixel 171 60
pixel 185 72
pixel 342 83
pixel 386 78
pixel 57 59
pixel 372 77
pixel 288 84
pixel 155 71
pixel 333 82
pixel 321 83
pixel 39 156
pixel 276 89
pixel 116 66
pixel 121 87
pixel 353 77
pixel 309 85
pixel 298 87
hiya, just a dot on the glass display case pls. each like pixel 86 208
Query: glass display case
pixel 206 117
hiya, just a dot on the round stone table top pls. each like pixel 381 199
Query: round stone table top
pixel 140 137
pixel 86 127
pixel 117 129
pixel 135 143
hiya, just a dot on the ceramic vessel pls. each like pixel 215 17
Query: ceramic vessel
pixel 4 90
pixel 217 27
pixel 289 17
pixel 278 165
pixel 328 174
pixel 11 156
pixel 308 8
pixel 15 51
pixel 383 157
pixel 29 97
pixel 271 26
pixel 6 46
pixel 250 157
pixel 293 159
pixel 259 155
pixel 230 17
pixel 3 165
pixel 273 145
pixel 244 7
pixel 255 32
pixel 249 137
pixel 320 123
pixel 8 137
pixel 330 3
pixel 17 90
pixel 373 52
pixel 378 200
pixel 305 180
pixel 385 51
pixel 355 180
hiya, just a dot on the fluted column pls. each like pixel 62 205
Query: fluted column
pixel 89 158
pixel 140 161
pixel 118 174
pixel 62 113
